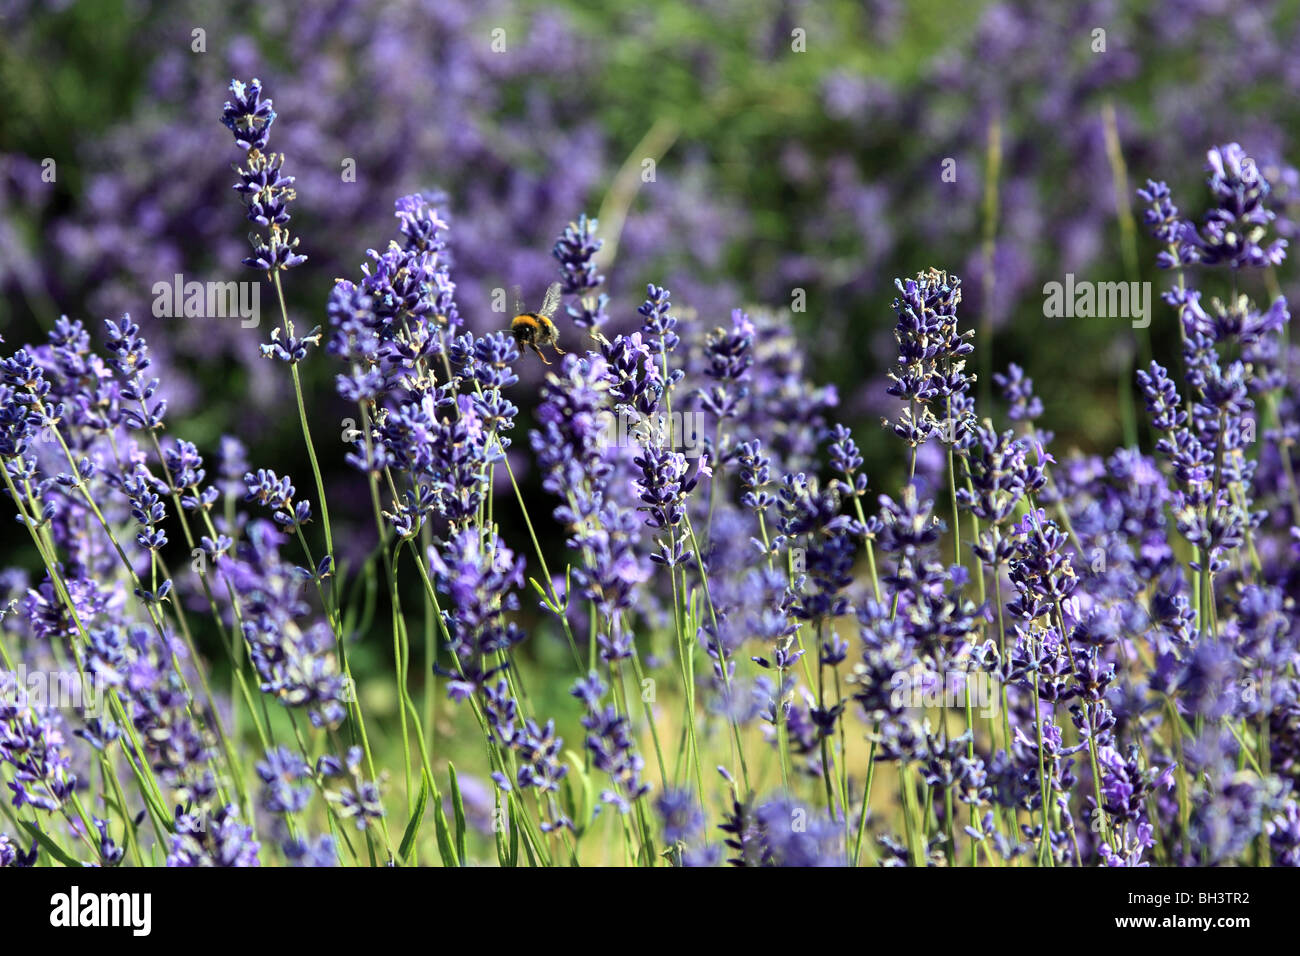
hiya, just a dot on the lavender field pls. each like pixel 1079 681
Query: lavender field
pixel 779 435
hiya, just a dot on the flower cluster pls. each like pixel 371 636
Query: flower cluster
pixel 265 191
pixel 32 743
pixel 1079 662
pixel 930 376
pixel 576 252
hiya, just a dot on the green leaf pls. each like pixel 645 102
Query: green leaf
pixel 513 855
pixel 582 812
pixel 546 598
pixel 50 847
pixel 497 834
pixel 458 805
pixel 569 803
pixel 528 849
pixel 413 827
pixel 445 849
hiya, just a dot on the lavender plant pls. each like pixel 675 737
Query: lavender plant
pixel 1009 660
pixel 1020 95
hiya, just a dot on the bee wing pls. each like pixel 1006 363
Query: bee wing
pixel 552 300
pixel 519 299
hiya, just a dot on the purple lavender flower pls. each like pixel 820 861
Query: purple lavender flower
pixel 321 852
pixel 480 577
pixel 178 743
pixel 1284 835
pixel 609 740
pixel 576 251
pixel 1000 475
pixel 784 410
pixel 754 470
pixel 635 380
pixel 782 833
pixel 110 854
pixel 664 484
pixel 447 457
pixel 233 462
pixel 1043 573
pixel 1018 390
pixel 360 801
pixel 185 473
pixel 1165 223
pixel 216 840
pixel 147 508
pixel 32 743
pixel 931 364
pixel 659 326
pixel 266 193
pixel 296 661
pixel 681 814
pixel 271 491
pixel 11 855
pixel 536 746
pixel 569 443
pixel 846 457
pixel 728 356
pixel 1162 401
pixel 282 773
pixel 130 357
pixel 1235 231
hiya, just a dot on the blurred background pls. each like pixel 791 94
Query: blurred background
pixel 797 146
pixel 801 152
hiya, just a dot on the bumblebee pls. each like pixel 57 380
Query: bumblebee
pixel 535 329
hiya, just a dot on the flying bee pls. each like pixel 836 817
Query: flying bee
pixel 535 329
